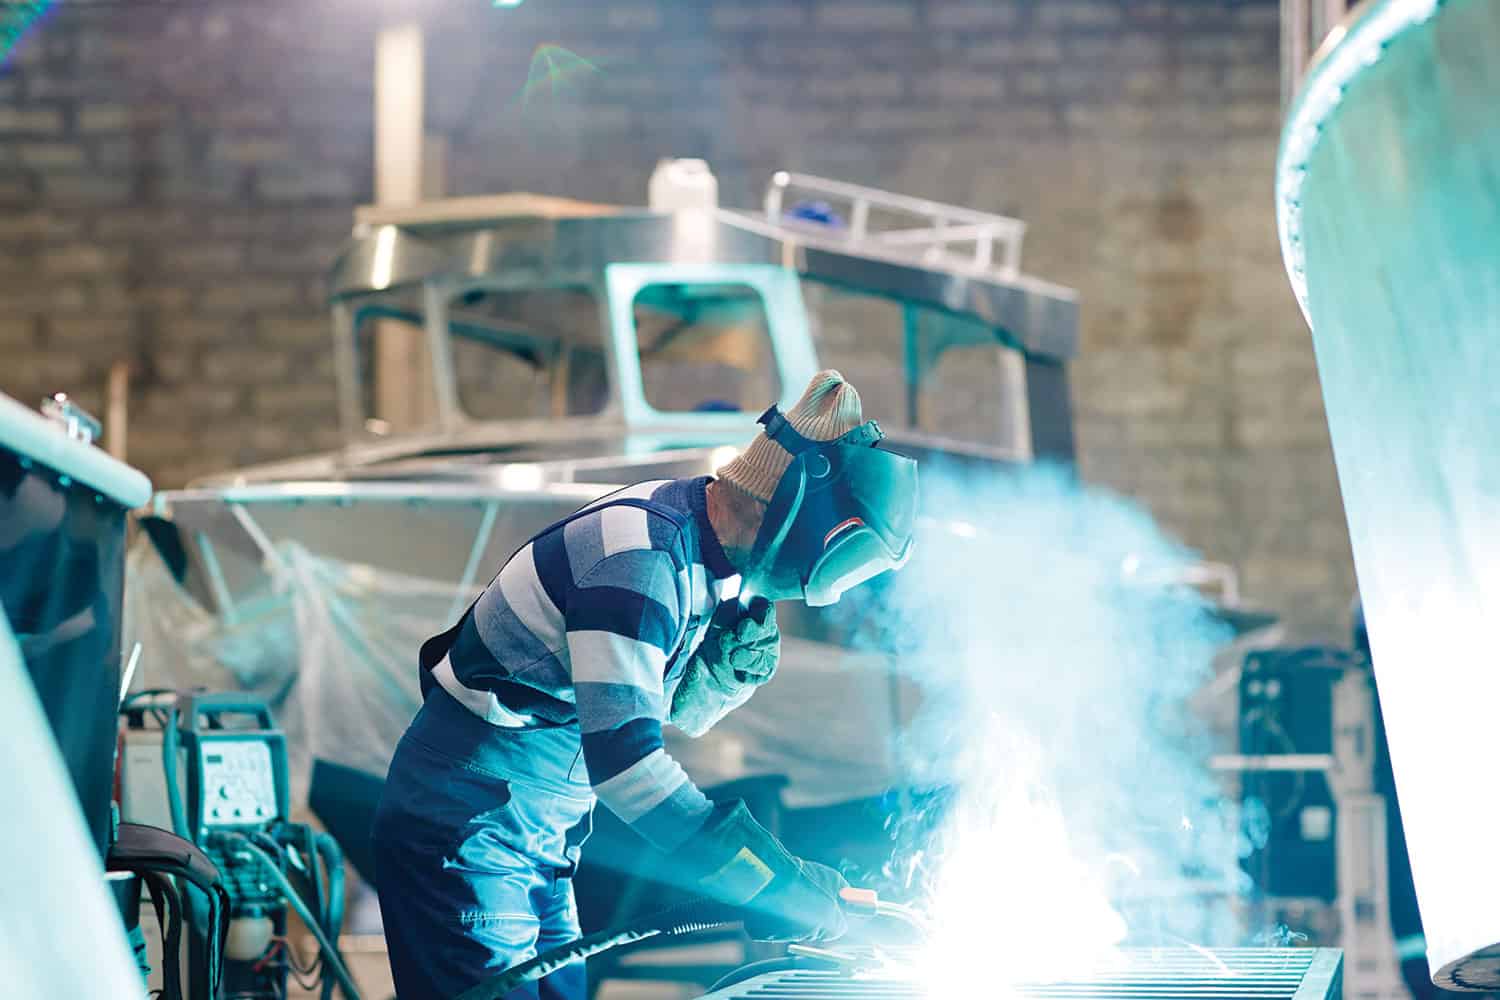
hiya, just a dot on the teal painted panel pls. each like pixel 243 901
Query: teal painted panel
pixel 28 433
pixel 1389 208
pixel 786 315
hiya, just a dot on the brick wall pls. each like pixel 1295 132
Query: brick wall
pixel 176 176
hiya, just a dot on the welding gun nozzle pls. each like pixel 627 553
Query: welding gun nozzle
pixel 864 902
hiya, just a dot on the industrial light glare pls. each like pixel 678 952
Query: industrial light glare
pixel 720 457
pixel 521 476
pixel 508 3
pixel 385 256
pixel 1008 841
pixel 963 529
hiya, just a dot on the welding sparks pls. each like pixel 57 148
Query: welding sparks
pixel 1011 899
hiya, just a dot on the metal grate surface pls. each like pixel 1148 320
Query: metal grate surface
pixel 1147 974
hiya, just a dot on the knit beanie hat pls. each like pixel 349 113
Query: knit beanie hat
pixel 829 409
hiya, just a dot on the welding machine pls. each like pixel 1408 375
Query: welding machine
pixel 1286 718
pixel 236 776
pixel 1307 779
pixel 212 767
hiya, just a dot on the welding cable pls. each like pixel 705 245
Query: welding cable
pixel 684 918
pixel 309 851
pixel 169 745
pixel 334 961
pixel 333 858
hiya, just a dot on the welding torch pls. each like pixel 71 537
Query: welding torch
pixel 867 903
pixel 860 903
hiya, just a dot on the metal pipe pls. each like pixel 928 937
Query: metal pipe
pixel 116 415
pixel 1319 762
pixel 346 371
pixel 217 585
pixel 269 555
pixel 1293 47
pixel 399 367
pixel 398 114
pixel 476 551
pixel 885 199
pixel 440 354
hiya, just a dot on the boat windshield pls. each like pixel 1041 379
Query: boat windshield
pixel 517 355
pixel 540 353
pixel 704 348
pixel 922 369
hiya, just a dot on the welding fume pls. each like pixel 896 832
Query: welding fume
pixel 1055 647
pixel 651 607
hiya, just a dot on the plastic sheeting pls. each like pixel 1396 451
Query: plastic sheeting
pixel 332 646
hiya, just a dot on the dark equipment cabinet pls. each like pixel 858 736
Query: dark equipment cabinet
pixel 63 507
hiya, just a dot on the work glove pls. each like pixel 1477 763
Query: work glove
pixel 780 897
pixel 737 655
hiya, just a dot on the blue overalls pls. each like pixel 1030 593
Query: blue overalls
pixel 477 837
pixel 476 840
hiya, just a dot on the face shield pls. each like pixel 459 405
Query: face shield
pixel 842 513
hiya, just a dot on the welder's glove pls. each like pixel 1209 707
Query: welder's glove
pixel 737 655
pixel 781 897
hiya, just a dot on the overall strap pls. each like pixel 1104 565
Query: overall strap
pixel 437 647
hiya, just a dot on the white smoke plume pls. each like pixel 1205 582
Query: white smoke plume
pixel 1055 653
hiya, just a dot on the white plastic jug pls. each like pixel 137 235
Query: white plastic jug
pixel 679 184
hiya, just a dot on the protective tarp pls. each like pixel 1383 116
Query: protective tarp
pixel 332 646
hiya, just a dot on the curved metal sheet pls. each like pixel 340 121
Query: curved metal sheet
pixel 60 925
pixel 34 437
pixel 1388 203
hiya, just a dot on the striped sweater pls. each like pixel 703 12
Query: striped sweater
pixel 595 619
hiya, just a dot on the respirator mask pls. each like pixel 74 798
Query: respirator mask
pixel 842 513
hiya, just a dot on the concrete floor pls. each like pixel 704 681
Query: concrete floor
pixel 366 958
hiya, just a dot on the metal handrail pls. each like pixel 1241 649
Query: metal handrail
pixel 945 224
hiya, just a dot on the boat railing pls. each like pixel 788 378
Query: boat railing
pixel 935 232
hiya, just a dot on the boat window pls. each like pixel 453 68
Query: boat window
pixel 971 389
pixel 536 353
pixel 861 336
pixel 393 332
pixel 529 354
pixel 705 347
pixel 922 369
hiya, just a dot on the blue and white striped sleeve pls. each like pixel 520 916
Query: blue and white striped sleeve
pixel 622 620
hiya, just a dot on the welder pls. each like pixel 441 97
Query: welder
pixel 653 605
